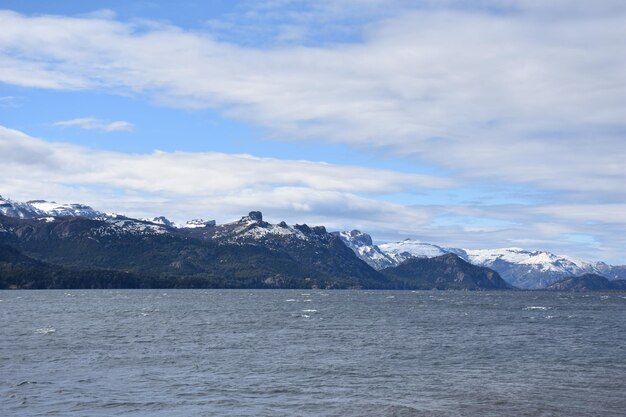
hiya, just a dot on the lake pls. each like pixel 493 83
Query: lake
pixel 311 353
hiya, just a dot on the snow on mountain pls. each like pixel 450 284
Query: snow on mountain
pixel 12 208
pixel 540 260
pixel 41 208
pixel 125 226
pixel 529 269
pixel 362 245
pixel 519 267
pixel 195 223
pixel 252 227
pixel 408 248
pixel 52 208
pixel 161 220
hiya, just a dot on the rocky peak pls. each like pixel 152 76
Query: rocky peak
pixel 359 238
pixel 162 220
pixel 253 216
pixel 304 228
pixel 195 223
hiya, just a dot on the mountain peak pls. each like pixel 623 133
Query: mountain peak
pixel 358 237
pixel 195 223
pixel 162 221
pixel 253 216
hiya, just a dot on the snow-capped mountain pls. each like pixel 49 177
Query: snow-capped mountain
pixel 529 269
pixel 161 220
pixel 247 253
pixel 48 210
pixel 361 243
pixel 253 228
pixel 408 248
pixel 40 208
pixel 12 208
pixel 195 223
pixel 53 209
pixel 519 267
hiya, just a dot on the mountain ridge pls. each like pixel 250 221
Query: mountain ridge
pixel 518 267
pixel 521 268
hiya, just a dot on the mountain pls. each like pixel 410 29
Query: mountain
pixel 248 253
pixel 445 272
pixel 529 269
pixel 408 248
pixel 587 282
pixel 41 208
pixel 361 244
pixel 520 268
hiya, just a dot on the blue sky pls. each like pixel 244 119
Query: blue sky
pixel 476 124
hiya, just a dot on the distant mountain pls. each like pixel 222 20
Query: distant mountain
pixel 406 249
pixel 361 244
pixel 520 268
pixel 445 272
pixel 41 208
pixel 587 282
pixel 248 253
pixel 528 269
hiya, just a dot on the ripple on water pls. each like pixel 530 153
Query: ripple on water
pixel 45 330
pixel 348 354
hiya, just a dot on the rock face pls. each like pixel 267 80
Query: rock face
pixel 446 272
pixel 362 245
pixel 587 282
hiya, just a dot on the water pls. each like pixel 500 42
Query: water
pixel 311 353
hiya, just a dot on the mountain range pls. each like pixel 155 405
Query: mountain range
pixel 526 269
pixel 72 240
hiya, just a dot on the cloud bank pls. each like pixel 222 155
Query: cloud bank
pixel 526 97
pixel 184 185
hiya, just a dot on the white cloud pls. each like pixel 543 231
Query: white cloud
pixel 91 123
pixel 183 185
pixel 9 101
pixel 523 97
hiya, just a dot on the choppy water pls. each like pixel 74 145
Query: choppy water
pixel 298 353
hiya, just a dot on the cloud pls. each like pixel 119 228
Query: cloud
pixel 91 123
pixel 526 96
pixel 184 185
pixel 9 101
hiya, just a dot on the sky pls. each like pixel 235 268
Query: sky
pixel 473 124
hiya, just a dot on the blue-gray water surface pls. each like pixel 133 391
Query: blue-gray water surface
pixel 311 353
